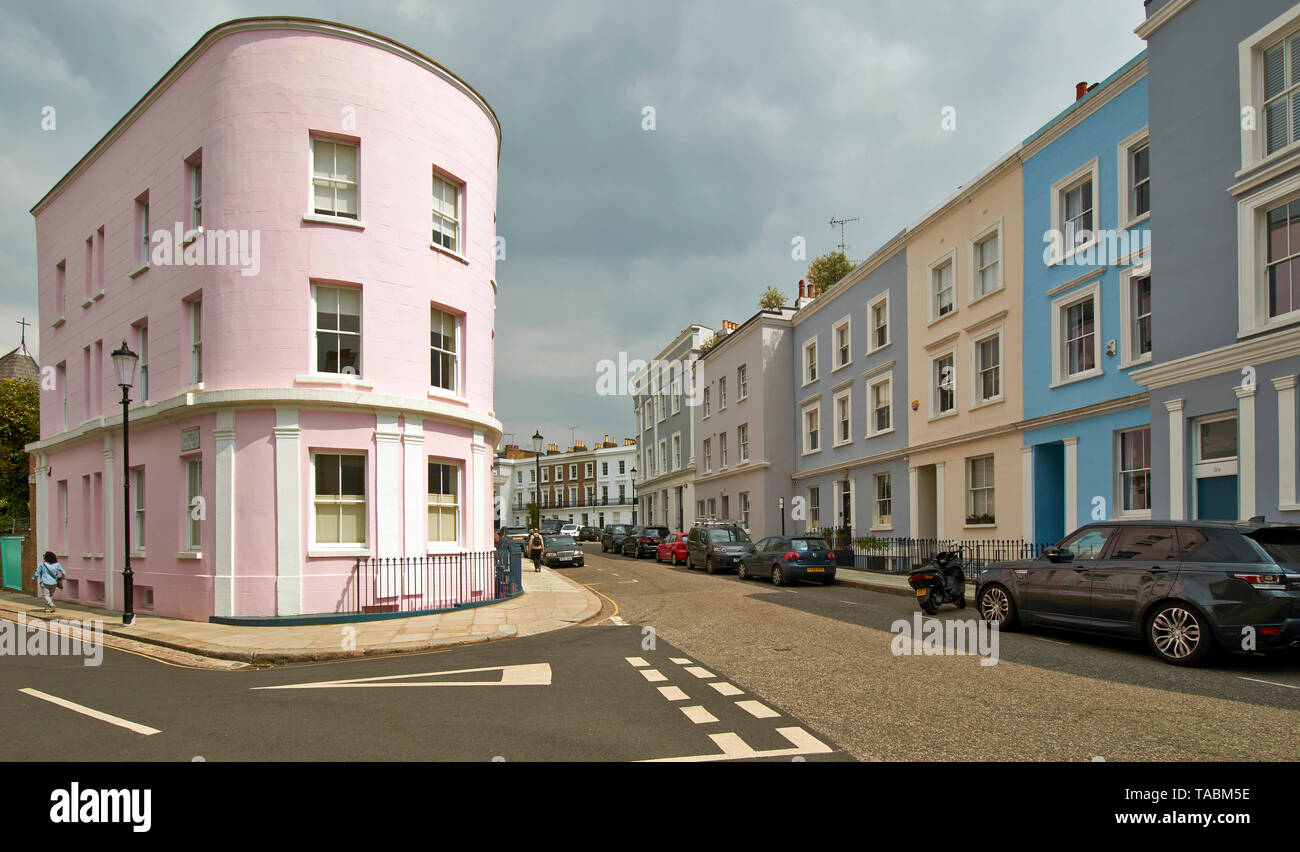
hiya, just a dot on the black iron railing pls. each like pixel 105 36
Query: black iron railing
pixel 425 583
pixel 900 555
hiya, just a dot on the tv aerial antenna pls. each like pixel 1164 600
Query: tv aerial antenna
pixel 844 247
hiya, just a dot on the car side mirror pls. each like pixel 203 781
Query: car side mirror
pixel 1057 554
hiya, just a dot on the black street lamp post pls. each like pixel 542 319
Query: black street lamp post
pixel 634 494
pixel 124 363
pixel 537 464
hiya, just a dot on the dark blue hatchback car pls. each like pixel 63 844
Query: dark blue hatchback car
pixel 1186 587
pixel 787 559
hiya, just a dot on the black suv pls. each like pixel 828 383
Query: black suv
pixel 717 545
pixel 643 541
pixel 1186 587
pixel 612 537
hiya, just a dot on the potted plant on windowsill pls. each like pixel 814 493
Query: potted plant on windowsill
pixel 980 520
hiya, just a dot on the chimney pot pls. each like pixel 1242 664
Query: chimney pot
pixel 801 291
pixel 1080 90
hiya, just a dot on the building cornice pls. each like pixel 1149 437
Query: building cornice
pixel 879 258
pixel 263 24
pixel 1284 343
pixel 1123 403
pixel 748 467
pixel 1160 18
pixel 197 403
pixel 879 458
pixel 1088 106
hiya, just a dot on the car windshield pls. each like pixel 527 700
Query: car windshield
pixel 618 528
pixel 559 541
pixel 806 544
pixel 1280 545
pixel 728 534
pixel 659 531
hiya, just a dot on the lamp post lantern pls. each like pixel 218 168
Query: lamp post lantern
pixel 124 364
pixel 633 493
pixel 537 464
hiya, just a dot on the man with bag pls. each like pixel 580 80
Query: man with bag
pixel 536 546
pixel 49 576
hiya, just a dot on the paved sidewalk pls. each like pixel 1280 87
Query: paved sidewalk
pixel 549 602
pixel 892 584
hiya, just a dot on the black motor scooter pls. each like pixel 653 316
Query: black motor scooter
pixel 939 581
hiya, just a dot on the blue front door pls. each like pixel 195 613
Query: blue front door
pixel 1216 498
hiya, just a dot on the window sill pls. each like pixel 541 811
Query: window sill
pixel 1135 516
pixel 443 548
pixel 191 235
pixel 450 396
pixel 808 382
pixel 940 319
pixel 97 296
pixel 342 551
pixel 848 363
pixel 1145 359
pixel 341 221
pixel 92 556
pixel 979 526
pixel 881 433
pixel 449 253
pixel 190 554
pixel 1078 377
pixel 138 272
pixel 880 348
pixel 58 322
pixel 985 403
pixel 1064 260
pixel 811 452
pixel 1136 221
pixel 333 379
pixel 1288 319
pixel 87 303
pixel 946 414
pixel 982 297
pixel 194 388
pixel 137 554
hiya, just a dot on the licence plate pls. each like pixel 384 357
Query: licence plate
pixel 920 593
pixel 815 570
pixel 566 558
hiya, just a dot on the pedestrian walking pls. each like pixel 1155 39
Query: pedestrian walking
pixel 49 576
pixel 535 547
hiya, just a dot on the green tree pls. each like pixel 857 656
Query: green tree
pixel 19 426
pixel 826 271
pixel 772 299
pixel 533 522
pixel 710 343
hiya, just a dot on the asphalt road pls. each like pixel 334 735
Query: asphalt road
pixel 571 695
pixel 825 653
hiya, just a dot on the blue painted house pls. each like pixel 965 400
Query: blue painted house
pixel 1087 310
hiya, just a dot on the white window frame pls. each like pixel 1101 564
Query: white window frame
pixel 722 393
pixel 456 361
pixel 878 521
pixel 845 323
pixel 708 455
pixel 196 194
pixel 677 451
pixel 949 259
pixel 663 455
pixel 439 216
pixel 993 230
pixel 195 311
pixel 589 469
pixel 722 451
pixel 847 396
pixel 708 404
pixel 742 382
pixel 333 179
pixel 142 347
pixel 1059 306
pixel 816 408
pixel 456 506
pixel 977 400
pixel 886 378
pixel 1252 259
pixel 814 522
pixel 138 501
pixel 143 208
pixel 810 373
pixel 932 378
pixel 315 331
pixel 1124 189
pixel 1091 171
pixel 1250 79
pixel 342 548
pixel 677 396
pixel 1120 511
pixel 871 323
pixel 744 509
pixel 969 504
pixel 742 442
pixel 193 526
pixel 1129 356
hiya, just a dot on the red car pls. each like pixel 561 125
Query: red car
pixel 672 549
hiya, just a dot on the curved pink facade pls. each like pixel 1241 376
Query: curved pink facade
pixel 248 106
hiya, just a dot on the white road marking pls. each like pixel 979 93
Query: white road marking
pixel 757 709
pixel 700 672
pixel 734 748
pixel 726 688
pixel 144 730
pixel 637 661
pixel 1049 641
pixel 673 693
pixel 850 603
pixel 617 620
pixel 653 675
pixel 530 674
pixel 699 715
pixel 681 661
pixel 1269 682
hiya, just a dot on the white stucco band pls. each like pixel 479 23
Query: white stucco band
pixel 288 535
pixel 1177 512
pixel 1246 450
pixel 413 461
pixel 1286 443
pixel 223 515
pixel 388 483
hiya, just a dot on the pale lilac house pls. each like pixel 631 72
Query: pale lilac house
pixel 295 228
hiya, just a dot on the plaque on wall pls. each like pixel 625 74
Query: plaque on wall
pixel 189 439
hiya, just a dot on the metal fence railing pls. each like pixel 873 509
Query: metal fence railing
pixel 900 555
pixel 425 583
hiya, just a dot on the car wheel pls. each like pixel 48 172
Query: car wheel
pixel 674 558
pixel 603 548
pixel 997 607
pixel 1179 635
pixel 710 566
pixel 690 563
pixel 741 573
pixel 778 579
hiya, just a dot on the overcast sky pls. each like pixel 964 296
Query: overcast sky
pixel 771 116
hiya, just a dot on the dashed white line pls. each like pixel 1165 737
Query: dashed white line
pixel 757 709
pixel 617 621
pixel 144 730
pixel 1269 682
pixel 681 661
pixel 653 675
pixel 699 715
pixel 734 748
pixel 637 661
pixel 673 693
pixel 700 672
pixel 1049 641
pixel 726 688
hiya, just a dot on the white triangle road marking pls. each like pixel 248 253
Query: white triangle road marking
pixel 530 674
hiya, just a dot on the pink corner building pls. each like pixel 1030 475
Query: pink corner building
pixel 295 229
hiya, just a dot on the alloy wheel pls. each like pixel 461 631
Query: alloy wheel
pixel 995 606
pixel 1176 633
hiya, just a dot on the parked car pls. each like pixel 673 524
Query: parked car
pixel 786 560
pixel 570 530
pixel 588 534
pixel 672 549
pixel 643 540
pixel 1186 587
pixel 612 537
pixel 549 526
pixel 561 551
pixel 515 535
pixel 717 545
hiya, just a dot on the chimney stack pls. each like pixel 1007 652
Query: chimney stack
pixel 801 286
pixel 1080 90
